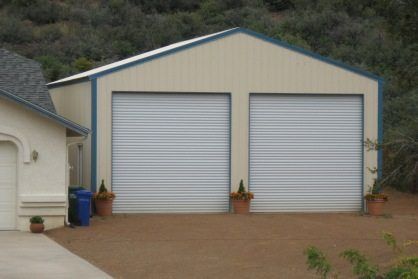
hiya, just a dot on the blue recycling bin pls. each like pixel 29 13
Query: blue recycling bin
pixel 83 206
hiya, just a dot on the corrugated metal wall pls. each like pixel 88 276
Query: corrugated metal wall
pixel 171 152
pixel 74 102
pixel 238 64
pixel 306 152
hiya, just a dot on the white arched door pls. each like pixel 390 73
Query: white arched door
pixel 8 173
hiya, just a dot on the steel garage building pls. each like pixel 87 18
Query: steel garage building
pixel 175 129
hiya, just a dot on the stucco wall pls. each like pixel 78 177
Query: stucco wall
pixel 240 65
pixel 41 185
pixel 74 102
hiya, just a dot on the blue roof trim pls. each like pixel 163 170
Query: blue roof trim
pixel 380 128
pixel 44 112
pixel 253 34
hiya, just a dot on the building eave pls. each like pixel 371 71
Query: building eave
pixel 75 128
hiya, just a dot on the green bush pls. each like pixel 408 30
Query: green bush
pixel 361 266
pixel 83 64
pixel 53 67
pixel 14 31
pixel 404 267
pixel 317 261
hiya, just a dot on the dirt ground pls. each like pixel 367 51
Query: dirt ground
pixel 236 246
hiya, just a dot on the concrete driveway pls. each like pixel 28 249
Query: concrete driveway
pixel 27 255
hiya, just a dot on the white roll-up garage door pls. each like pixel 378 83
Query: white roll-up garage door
pixel 170 152
pixel 306 152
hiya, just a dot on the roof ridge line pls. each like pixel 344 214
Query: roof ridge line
pixel 198 41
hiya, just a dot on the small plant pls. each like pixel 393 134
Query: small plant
pixel 241 188
pixel 375 192
pixel 361 266
pixel 102 188
pixel 405 267
pixel 242 194
pixel 103 193
pixel 391 242
pixel 317 261
pixel 36 220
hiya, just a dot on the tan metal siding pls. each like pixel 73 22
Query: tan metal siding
pixel 239 64
pixel 74 102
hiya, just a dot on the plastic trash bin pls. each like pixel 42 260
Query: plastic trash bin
pixel 83 207
pixel 72 204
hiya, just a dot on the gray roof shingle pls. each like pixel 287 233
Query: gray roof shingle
pixel 23 77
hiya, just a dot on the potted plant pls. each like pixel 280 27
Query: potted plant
pixel 241 200
pixel 375 199
pixel 37 224
pixel 103 201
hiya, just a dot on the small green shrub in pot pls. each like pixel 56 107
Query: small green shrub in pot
pixel 375 199
pixel 103 201
pixel 241 199
pixel 37 224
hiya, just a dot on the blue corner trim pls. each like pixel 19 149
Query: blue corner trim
pixel 380 128
pixel 93 135
pixel 248 32
pixel 83 131
pixel 363 201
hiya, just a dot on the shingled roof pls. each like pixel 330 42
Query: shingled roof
pixel 22 82
pixel 23 77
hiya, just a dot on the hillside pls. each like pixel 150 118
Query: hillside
pixel 69 36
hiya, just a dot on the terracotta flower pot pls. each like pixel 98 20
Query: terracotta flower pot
pixel 37 228
pixel 241 206
pixel 104 207
pixel 375 207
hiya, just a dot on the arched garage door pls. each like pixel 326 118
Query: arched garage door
pixel 306 152
pixel 8 163
pixel 170 152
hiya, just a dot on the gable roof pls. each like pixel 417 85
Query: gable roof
pixel 73 129
pixel 147 56
pixel 23 77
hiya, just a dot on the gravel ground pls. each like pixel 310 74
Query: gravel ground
pixel 236 246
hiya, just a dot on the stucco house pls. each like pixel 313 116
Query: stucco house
pixel 33 147
pixel 175 129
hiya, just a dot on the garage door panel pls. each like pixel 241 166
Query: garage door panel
pixel 170 152
pixel 306 152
